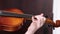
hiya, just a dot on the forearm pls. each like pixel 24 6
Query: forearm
pixel 32 29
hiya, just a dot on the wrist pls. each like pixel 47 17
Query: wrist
pixel 29 32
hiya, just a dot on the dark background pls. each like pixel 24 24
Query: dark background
pixel 32 7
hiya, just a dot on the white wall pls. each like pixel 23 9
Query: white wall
pixel 56 12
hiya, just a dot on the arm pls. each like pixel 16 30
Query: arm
pixel 36 24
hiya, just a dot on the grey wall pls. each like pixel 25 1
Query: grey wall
pixel 29 6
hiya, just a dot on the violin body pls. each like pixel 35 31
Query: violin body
pixel 11 23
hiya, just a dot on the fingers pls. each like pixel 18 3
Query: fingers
pixel 38 17
pixel 39 20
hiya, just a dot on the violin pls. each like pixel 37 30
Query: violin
pixel 11 19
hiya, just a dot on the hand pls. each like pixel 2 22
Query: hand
pixel 37 22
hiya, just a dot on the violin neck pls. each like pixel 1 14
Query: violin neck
pixel 9 14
